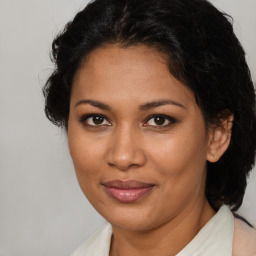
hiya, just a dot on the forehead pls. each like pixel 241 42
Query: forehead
pixel 136 72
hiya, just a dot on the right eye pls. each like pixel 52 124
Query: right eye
pixel 95 120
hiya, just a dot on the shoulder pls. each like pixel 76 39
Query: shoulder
pixel 244 242
pixel 97 244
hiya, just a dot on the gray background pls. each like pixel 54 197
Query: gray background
pixel 42 210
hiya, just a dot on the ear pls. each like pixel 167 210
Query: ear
pixel 219 139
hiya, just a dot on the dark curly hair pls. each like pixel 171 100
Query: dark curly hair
pixel 203 53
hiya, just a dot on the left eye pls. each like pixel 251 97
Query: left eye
pixel 95 120
pixel 160 121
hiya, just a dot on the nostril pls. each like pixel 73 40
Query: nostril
pixel 125 149
pixel 126 160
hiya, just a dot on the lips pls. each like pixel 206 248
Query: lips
pixel 127 191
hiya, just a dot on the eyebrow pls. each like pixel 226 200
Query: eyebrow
pixel 159 103
pixel 94 103
pixel 143 107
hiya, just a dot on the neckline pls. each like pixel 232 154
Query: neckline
pixel 215 238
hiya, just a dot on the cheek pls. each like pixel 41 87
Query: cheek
pixel 87 155
pixel 180 172
pixel 176 152
pixel 181 158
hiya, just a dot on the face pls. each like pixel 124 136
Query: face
pixel 137 138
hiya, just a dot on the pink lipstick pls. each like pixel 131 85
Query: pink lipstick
pixel 127 191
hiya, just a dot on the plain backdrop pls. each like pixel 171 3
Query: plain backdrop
pixel 42 210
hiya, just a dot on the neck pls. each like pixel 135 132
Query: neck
pixel 165 240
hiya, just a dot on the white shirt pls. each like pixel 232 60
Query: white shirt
pixel 216 238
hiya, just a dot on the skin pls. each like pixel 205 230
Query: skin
pixel 129 145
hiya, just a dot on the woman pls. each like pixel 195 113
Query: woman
pixel 159 108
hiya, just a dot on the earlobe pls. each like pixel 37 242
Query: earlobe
pixel 219 139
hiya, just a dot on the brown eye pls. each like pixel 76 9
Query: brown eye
pixel 95 120
pixel 98 120
pixel 160 121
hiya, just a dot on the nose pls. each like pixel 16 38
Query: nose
pixel 125 151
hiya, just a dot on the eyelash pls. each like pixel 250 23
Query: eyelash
pixel 170 120
pixel 86 117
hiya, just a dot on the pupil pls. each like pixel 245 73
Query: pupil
pixel 159 120
pixel 98 119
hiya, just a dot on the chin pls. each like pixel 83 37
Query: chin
pixel 132 218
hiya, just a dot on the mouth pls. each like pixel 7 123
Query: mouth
pixel 127 191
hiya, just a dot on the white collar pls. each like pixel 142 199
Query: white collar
pixel 215 238
pixel 98 244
